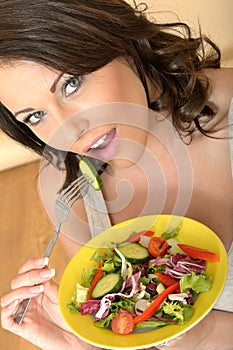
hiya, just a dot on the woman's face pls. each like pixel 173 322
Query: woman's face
pixel 49 101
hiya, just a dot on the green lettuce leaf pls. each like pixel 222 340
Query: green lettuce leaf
pixel 124 303
pixel 109 266
pixel 80 295
pixel 178 311
pixel 87 276
pixel 105 323
pixel 198 283
pixel 151 324
pixel 170 234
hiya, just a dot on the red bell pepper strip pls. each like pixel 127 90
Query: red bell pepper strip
pixel 96 278
pixel 198 253
pixel 135 237
pixel 167 281
pixel 156 303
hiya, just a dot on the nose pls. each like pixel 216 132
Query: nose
pixel 68 131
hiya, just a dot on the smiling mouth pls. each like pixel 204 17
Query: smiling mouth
pixel 102 142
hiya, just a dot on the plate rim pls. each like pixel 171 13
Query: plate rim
pixel 155 218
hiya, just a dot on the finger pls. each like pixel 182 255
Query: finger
pixel 35 263
pixel 51 289
pixel 162 345
pixel 7 315
pixel 171 343
pixel 21 294
pixel 32 277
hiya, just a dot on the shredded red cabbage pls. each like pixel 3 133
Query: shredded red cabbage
pixel 179 265
pixel 151 286
pixel 89 307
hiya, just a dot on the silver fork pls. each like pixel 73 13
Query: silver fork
pixel 62 207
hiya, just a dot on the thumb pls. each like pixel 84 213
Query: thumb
pixel 171 343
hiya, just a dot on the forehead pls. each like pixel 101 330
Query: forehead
pixel 23 70
pixel 19 80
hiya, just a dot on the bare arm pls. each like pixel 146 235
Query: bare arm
pixel 212 333
pixel 72 243
pixel 71 247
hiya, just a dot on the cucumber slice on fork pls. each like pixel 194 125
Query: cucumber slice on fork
pixel 89 171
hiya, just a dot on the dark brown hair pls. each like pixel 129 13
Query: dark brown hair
pixel 80 36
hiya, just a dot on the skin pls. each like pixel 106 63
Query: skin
pixel 210 199
pixel 56 104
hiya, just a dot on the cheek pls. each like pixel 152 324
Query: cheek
pixel 132 145
pixel 129 93
pixel 49 132
pixel 134 134
pixel 44 130
pixel 118 84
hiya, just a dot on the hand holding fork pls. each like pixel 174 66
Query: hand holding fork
pixel 63 205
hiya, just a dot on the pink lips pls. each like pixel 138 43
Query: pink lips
pixel 85 149
pixel 109 147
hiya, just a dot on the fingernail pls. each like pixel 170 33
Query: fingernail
pixel 47 273
pixel 36 289
pixel 42 261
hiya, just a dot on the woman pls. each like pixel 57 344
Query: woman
pixel 63 58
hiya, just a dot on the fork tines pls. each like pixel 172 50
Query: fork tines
pixel 71 192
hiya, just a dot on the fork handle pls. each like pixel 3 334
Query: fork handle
pixel 21 311
pixel 52 242
pixel 24 305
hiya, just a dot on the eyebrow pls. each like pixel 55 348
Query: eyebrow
pixel 54 84
pixel 52 90
pixel 24 111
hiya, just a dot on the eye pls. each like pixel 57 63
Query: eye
pixel 71 85
pixel 34 118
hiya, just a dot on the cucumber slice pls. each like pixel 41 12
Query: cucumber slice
pixel 134 252
pixel 110 283
pixel 160 288
pixel 90 173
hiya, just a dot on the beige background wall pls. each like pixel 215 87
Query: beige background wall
pixel 215 17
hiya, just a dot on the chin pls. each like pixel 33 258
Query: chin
pixel 121 163
pixel 127 160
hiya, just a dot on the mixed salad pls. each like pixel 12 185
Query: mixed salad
pixel 144 282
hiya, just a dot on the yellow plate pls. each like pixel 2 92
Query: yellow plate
pixel 191 232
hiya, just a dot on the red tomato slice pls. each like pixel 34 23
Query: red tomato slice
pixel 123 322
pixel 158 246
pixel 136 236
pixel 198 253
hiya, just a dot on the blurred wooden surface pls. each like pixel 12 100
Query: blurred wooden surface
pixel 25 232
